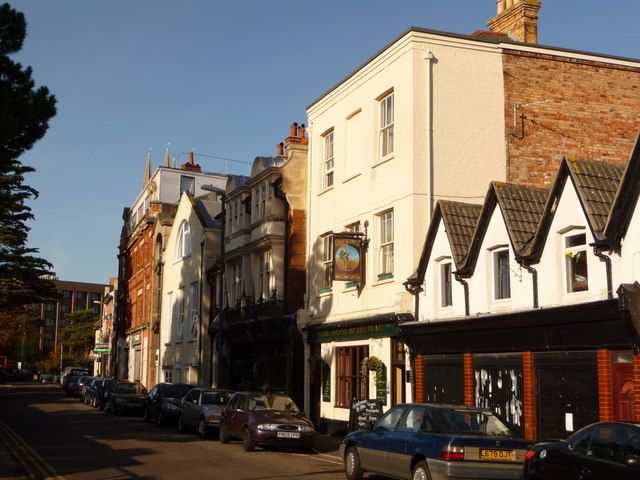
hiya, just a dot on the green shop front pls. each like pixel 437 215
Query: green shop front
pixel 351 360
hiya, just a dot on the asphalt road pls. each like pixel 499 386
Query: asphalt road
pixel 62 439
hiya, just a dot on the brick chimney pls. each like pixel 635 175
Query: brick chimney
pixel 297 136
pixel 190 166
pixel 518 19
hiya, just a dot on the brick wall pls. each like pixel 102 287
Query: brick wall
pixel 418 395
pixel 529 390
pixel 636 387
pixel 590 110
pixel 469 381
pixel 605 398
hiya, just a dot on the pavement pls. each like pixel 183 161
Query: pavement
pixel 11 468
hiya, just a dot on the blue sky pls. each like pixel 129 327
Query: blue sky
pixel 222 78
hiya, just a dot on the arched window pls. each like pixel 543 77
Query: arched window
pixel 184 241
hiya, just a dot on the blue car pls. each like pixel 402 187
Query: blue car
pixel 420 441
pixel 607 450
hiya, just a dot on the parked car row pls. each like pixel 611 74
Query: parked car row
pixel 424 441
pixel 256 418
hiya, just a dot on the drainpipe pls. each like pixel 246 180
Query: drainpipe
pixel 597 251
pixel 466 293
pixel 534 274
pixel 428 57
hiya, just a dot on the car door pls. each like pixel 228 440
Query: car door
pixel 237 416
pixel 374 444
pixel 408 439
pixel 189 408
pixel 610 446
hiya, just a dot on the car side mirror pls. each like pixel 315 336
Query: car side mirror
pixel 633 461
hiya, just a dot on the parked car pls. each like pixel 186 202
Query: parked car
pixel 163 402
pixel 79 386
pixel 69 372
pixel 47 378
pixel 70 383
pixel 201 408
pixel 89 390
pixel 102 391
pixel 600 450
pixel 422 441
pixel 266 419
pixel 126 397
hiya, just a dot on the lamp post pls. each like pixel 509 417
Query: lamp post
pixel 220 332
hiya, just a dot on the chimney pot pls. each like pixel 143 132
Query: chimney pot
pixel 500 6
pixel 293 130
pixel 191 158
pixel 280 149
pixel 302 130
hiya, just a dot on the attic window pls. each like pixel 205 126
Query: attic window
pixel 446 295
pixel 575 254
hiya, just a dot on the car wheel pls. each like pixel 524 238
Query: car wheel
pixel 203 431
pixel 352 468
pixel 248 444
pixel 180 424
pixel 224 436
pixel 421 471
pixel 145 416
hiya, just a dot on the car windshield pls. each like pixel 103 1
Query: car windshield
pixel 278 403
pixel 130 388
pixel 177 391
pixel 216 398
pixel 474 422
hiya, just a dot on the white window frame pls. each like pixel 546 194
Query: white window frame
pixel 328 160
pixel 386 133
pixel 183 249
pixel 386 249
pixel 169 307
pixel 326 263
pixel 180 314
pixel 576 258
pixel 265 276
pixel 194 305
pixel 501 288
pixel 445 283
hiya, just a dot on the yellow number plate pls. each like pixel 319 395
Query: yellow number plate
pixel 486 454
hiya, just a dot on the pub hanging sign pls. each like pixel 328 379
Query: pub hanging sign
pixel 347 258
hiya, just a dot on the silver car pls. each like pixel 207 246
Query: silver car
pixel 201 408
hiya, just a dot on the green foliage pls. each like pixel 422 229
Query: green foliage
pixel 24 115
pixel 78 337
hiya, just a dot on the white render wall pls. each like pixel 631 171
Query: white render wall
pixel 468 144
pixel 569 217
pixel 182 354
pixel 448 143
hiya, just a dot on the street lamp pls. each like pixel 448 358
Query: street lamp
pixel 220 326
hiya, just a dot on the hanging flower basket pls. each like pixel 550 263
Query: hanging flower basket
pixel 373 364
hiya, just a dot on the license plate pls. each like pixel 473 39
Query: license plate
pixel 493 454
pixel 288 434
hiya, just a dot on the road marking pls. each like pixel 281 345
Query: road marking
pixel 36 466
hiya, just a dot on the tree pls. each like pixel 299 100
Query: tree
pixel 24 115
pixel 78 337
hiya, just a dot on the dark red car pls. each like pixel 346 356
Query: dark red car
pixel 267 420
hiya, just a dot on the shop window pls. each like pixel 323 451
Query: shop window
pixel 350 383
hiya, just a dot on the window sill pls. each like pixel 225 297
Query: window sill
pixel 383 160
pixel 325 190
pixel 351 286
pixel 325 291
pixel 385 276
pixel 348 179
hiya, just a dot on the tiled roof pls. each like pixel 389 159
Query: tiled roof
pixel 522 208
pixel 460 221
pixel 597 183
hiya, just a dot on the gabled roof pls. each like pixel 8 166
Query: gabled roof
pixel 596 184
pixel 521 206
pixel 459 221
pixel 625 201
